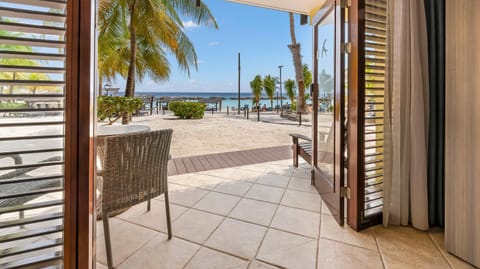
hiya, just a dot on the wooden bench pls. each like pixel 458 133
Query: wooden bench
pixel 302 146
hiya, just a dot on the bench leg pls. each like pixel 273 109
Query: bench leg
pixel 295 156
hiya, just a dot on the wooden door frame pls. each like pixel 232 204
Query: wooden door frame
pixel 79 143
pixel 339 112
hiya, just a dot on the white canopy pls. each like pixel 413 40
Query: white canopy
pixel 306 7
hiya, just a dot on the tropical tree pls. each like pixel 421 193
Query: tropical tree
pixel 39 76
pixel 269 83
pixel 257 87
pixel 297 63
pixel 13 61
pixel 136 35
pixel 307 76
pixel 290 87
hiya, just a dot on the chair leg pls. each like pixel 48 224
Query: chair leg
pixel 167 209
pixel 108 245
pixel 149 204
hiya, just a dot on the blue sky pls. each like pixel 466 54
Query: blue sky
pixel 260 35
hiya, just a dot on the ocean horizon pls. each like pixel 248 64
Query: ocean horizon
pixel 230 98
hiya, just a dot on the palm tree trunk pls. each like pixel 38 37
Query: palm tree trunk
pixel 100 87
pixel 297 62
pixel 14 77
pixel 130 86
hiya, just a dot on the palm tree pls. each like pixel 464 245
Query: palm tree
pixel 269 83
pixel 290 88
pixel 13 61
pixel 297 63
pixel 307 76
pixel 135 36
pixel 257 87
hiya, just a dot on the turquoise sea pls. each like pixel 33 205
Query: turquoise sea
pixel 230 98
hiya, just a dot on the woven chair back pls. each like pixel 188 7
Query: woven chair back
pixel 134 168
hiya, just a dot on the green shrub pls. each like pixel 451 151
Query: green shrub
pixel 188 110
pixel 113 107
pixel 17 105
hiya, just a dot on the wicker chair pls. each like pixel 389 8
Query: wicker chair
pixel 134 170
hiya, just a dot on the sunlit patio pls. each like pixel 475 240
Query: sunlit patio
pixel 259 216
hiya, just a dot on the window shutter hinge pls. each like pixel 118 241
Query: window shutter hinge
pixel 346 3
pixel 345 192
pixel 347 47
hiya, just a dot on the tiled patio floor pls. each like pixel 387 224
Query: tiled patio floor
pixel 259 216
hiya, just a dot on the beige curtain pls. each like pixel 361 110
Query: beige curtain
pixel 406 113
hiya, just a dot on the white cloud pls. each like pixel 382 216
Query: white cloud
pixel 213 43
pixel 190 24
pixel 200 62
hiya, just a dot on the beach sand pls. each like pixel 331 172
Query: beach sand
pixel 221 133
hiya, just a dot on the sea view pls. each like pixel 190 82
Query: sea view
pixel 230 98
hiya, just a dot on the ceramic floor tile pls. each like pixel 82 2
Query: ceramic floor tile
pixel 197 180
pixel 126 239
pixel 274 180
pixel 196 225
pixel 254 211
pixel 135 210
pixel 331 230
pixel 100 266
pixel 156 218
pixel 217 203
pixel 187 196
pixel 225 173
pixel 302 173
pixel 405 247
pixel 297 221
pixel 301 184
pixel 333 254
pixel 99 228
pixel 438 238
pixel 255 167
pixel 211 259
pixel 279 170
pixel 234 187
pixel 235 174
pixel 237 238
pixel 171 188
pixel 303 200
pixel 162 253
pixel 261 265
pixel 325 209
pixel 265 193
pixel 288 250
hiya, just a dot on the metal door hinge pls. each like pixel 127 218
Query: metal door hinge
pixel 346 3
pixel 345 192
pixel 347 47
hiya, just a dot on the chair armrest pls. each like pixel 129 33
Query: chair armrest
pixel 299 136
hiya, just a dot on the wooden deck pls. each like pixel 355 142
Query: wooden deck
pixel 192 164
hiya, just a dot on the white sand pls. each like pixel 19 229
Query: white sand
pixel 221 133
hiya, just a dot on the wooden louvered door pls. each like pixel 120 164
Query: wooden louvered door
pixel 45 125
pixel 32 124
pixel 367 82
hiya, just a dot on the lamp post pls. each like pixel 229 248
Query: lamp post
pixel 239 69
pixel 277 101
pixel 281 97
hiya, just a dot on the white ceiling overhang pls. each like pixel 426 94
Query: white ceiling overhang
pixel 306 7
